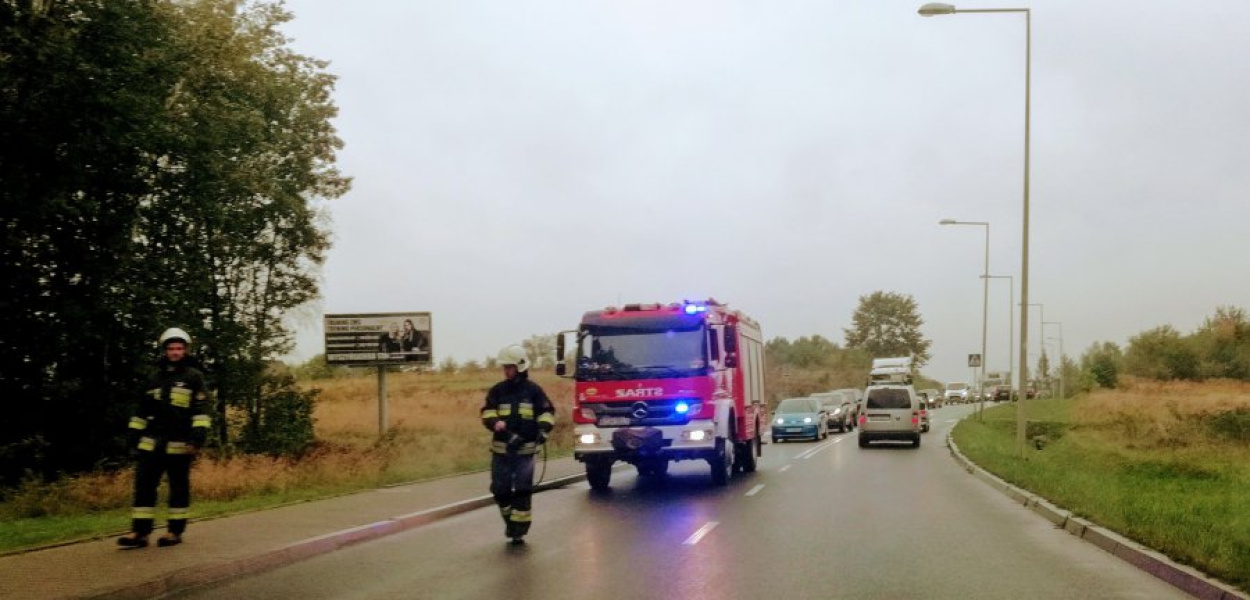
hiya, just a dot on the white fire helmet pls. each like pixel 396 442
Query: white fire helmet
pixel 175 334
pixel 514 355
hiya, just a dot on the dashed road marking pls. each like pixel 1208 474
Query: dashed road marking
pixel 783 469
pixel 810 451
pixel 755 490
pixel 698 535
pixel 815 451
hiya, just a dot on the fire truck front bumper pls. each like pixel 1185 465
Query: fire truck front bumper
pixel 693 440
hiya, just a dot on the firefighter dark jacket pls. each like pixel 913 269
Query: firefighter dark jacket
pixel 174 411
pixel 525 408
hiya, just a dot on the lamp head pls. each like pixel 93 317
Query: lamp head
pixel 936 8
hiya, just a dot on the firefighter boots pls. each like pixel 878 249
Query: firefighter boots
pixel 133 541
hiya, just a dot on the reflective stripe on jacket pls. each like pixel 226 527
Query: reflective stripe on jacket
pixel 524 407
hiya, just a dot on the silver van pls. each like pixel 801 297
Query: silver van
pixel 891 412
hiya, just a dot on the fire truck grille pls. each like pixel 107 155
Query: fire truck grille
pixel 641 413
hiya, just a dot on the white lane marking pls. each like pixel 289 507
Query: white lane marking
pixel 952 420
pixel 755 490
pixel 823 447
pixel 810 451
pixel 783 469
pixel 698 535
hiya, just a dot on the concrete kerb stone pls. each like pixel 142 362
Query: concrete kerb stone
pixel 202 575
pixel 1187 579
pixel 1052 513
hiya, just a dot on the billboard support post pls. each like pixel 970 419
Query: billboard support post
pixel 382 401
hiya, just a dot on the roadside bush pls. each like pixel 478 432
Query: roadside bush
pixel 1233 425
pixel 1101 365
pixel 1161 353
pixel 281 421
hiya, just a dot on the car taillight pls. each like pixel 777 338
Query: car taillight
pixel 863 418
pixel 915 417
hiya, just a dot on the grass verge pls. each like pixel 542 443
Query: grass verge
pixel 1165 465
pixel 434 431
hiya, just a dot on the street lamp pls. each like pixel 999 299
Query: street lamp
pixel 1061 377
pixel 985 298
pixel 933 9
pixel 1011 318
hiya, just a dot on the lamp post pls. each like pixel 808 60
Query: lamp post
pixel 1011 318
pixel 1061 376
pixel 985 298
pixel 933 9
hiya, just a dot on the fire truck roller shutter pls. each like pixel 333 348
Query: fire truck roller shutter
pixel 724 409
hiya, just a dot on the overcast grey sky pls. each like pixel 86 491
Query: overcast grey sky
pixel 519 162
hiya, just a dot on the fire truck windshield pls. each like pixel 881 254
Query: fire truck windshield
pixel 613 353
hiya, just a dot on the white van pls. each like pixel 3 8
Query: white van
pixel 891 412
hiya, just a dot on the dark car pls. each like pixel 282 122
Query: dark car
pixel 800 418
pixel 839 410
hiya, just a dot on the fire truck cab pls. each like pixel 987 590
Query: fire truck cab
pixel 656 383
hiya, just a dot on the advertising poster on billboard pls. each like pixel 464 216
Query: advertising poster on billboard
pixel 362 340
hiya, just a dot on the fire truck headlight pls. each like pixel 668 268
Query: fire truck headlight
pixel 588 438
pixel 698 436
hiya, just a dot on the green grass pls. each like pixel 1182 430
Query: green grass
pixel 30 533
pixel 434 432
pixel 1191 502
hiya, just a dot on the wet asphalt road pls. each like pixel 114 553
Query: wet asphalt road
pixel 818 520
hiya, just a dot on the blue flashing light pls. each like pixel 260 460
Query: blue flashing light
pixel 695 308
pixel 682 408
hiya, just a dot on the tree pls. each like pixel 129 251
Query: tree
pixel 160 162
pixel 82 87
pixel 1100 365
pixel 1223 344
pixel 888 324
pixel 1160 353
pixel 256 145
pixel 541 349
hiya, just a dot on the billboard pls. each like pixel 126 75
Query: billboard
pixel 379 339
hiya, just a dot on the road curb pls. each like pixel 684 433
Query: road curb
pixel 201 575
pixel 1187 579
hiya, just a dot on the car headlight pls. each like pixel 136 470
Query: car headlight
pixel 807 419
pixel 781 421
pixel 837 411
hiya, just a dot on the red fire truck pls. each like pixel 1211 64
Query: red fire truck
pixel 665 382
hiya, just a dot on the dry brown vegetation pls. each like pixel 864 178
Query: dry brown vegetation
pixel 434 431
pixel 1149 414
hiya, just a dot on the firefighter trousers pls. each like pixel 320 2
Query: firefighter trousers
pixel 512 484
pixel 148 472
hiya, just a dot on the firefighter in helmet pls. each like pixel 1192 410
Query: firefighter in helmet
pixel 171 425
pixel 520 416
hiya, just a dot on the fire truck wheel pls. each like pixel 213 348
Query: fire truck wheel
pixel 598 474
pixel 722 463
